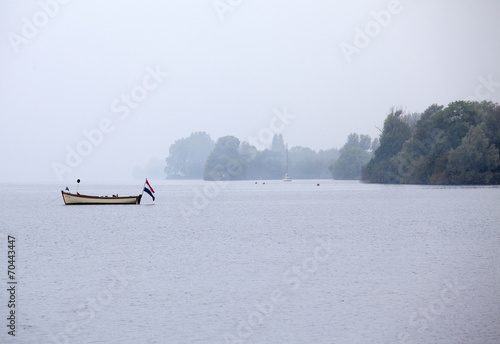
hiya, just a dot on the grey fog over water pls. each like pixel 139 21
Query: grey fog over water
pixel 239 262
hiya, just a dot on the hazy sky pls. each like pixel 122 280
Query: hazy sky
pixel 138 75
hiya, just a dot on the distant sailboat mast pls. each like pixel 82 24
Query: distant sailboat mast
pixel 287 177
pixel 287 158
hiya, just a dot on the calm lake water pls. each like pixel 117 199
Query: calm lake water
pixel 239 262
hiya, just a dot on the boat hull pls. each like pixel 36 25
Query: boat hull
pixel 72 199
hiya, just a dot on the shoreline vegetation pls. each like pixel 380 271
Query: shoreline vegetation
pixel 453 145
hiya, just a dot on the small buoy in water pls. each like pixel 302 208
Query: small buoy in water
pixel 264 183
pixel 255 182
pixel 317 184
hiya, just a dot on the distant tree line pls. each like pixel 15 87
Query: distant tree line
pixel 457 144
pixel 198 156
pixel 235 160
pixel 453 145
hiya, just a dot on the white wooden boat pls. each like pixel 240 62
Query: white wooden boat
pixel 70 198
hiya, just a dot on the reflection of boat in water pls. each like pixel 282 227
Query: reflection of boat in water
pixel 70 198
pixel 287 177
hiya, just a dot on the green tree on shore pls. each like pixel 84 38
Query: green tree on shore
pixel 187 156
pixel 382 167
pixel 224 162
pixel 353 155
pixel 474 160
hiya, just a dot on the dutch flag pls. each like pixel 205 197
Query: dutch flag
pixel 149 190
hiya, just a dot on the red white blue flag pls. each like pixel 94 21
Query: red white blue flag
pixel 149 190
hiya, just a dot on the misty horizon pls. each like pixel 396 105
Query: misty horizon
pixel 146 75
